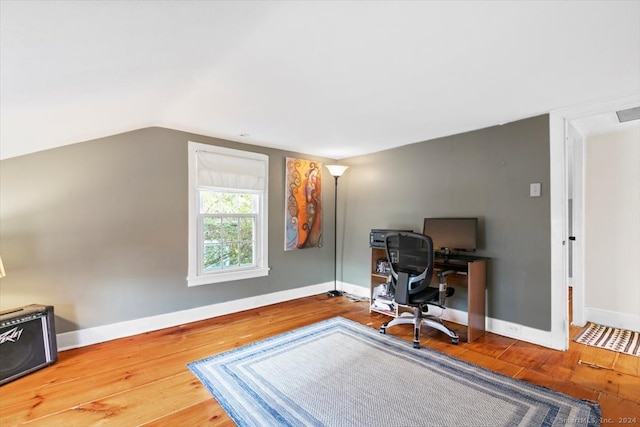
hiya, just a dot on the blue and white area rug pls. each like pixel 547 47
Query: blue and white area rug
pixel 341 373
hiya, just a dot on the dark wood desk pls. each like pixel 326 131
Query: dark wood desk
pixel 475 269
pixel 471 267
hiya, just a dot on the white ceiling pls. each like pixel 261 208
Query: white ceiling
pixel 333 79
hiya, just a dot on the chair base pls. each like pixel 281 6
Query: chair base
pixel 419 320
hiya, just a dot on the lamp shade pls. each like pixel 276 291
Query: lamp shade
pixel 336 170
pixel 2 272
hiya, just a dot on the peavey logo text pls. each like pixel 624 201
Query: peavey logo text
pixel 11 335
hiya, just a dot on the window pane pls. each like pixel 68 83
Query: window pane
pixel 212 257
pixel 212 229
pixel 228 203
pixel 228 238
pixel 230 253
pixel 209 202
pixel 246 229
pixel 214 202
pixel 246 253
pixel 245 203
pixel 229 230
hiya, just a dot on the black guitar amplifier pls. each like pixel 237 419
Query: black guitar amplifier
pixel 27 341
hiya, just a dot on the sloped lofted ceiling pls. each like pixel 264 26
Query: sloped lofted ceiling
pixel 334 79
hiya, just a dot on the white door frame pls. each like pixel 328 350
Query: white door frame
pixel 575 142
pixel 559 125
pixel 559 337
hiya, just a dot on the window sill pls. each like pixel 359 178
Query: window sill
pixel 226 276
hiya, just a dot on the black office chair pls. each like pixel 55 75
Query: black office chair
pixel 410 256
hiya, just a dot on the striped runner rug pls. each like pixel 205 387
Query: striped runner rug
pixel 620 340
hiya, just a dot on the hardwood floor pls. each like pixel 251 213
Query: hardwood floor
pixel 143 380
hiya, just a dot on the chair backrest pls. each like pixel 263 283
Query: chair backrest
pixel 410 257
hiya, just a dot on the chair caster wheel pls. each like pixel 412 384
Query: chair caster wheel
pixel 454 340
pixel 416 345
pixel 383 331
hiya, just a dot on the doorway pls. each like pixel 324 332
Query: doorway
pixel 591 122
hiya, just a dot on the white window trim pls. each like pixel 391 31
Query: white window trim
pixel 194 278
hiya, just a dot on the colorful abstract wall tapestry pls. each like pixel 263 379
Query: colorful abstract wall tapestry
pixel 303 210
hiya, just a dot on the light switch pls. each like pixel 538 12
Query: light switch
pixel 534 189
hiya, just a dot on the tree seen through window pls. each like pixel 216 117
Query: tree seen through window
pixel 228 224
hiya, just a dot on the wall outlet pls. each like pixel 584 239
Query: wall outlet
pixel 512 329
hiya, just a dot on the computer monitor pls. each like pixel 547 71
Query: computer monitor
pixel 452 234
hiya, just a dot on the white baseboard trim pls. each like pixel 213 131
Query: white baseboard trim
pixel 496 326
pixel 356 290
pixel 98 334
pixel 611 318
pixel 504 328
pixel 522 333
pixel 89 336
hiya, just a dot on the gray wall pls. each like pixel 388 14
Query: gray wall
pixel 99 230
pixel 484 173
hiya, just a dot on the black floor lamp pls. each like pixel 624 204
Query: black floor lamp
pixel 336 171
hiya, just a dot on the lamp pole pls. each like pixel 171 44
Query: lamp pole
pixel 336 171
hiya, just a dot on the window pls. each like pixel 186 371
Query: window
pixel 227 214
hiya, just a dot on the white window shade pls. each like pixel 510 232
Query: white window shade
pixel 230 172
